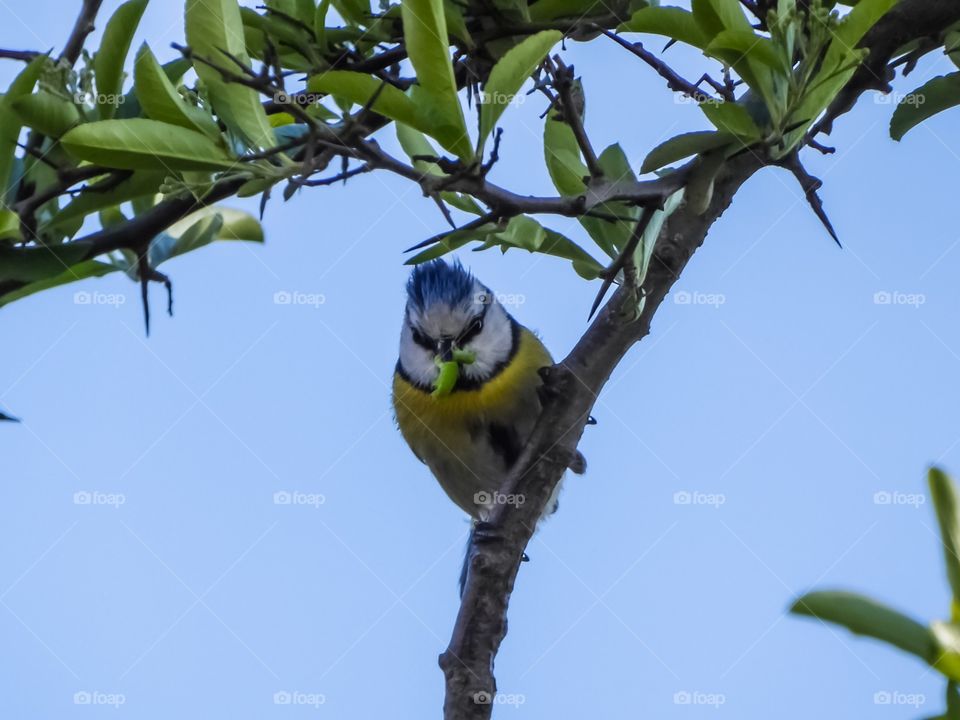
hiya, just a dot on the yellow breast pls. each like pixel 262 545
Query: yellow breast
pixel 496 398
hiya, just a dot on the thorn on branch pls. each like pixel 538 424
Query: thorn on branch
pixel 820 147
pixel 147 275
pixel 810 184
pixel 440 237
pixel 674 81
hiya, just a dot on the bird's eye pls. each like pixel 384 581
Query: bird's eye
pixel 472 331
pixel 420 339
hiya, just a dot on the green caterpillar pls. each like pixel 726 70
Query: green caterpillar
pixel 450 371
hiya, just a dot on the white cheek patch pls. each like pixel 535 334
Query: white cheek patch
pixel 416 360
pixel 492 346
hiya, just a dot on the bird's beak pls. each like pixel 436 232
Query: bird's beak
pixel 445 350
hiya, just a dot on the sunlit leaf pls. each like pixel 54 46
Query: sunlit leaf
pixel 562 155
pixel 110 58
pixel 202 228
pixel 672 22
pixel 47 113
pixel 214 27
pixel 145 145
pixel 9 121
pixel 731 117
pixel 508 76
pixel 865 616
pixel 947 506
pixel 161 101
pixel 435 95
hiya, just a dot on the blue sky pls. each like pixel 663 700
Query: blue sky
pixel 778 392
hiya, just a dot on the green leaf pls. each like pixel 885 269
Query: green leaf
pixel 301 10
pixel 553 9
pixel 320 25
pixel 953 702
pixel 951 46
pixel 37 263
pixel 683 146
pixel 356 12
pixel 110 58
pixel 435 95
pixel 10 225
pixel 456 239
pixel 562 155
pixel 415 143
pixel 143 183
pixel 948 649
pixel 612 235
pixel 214 26
pixel 945 502
pixel 749 45
pixel 934 96
pixel 359 88
pixel 859 20
pixel 508 76
pixel 145 145
pixel 671 22
pixel 46 113
pixel 80 271
pixel 865 616
pixel 161 101
pixel 839 62
pixel 731 117
pixel 202 228
pixel 714 16
pixel 525 233
pixel 10 122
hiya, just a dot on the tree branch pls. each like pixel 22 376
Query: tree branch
pixel 570 390
pixel 81 29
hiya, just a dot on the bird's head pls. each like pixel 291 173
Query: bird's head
pixel 451 317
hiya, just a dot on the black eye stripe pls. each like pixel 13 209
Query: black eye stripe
pixel 472 331
pixel 420 339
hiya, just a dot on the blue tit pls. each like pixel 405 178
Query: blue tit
pixel 465 390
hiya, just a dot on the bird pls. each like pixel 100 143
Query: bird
pixel 466 386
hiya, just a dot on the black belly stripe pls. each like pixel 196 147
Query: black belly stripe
pixel 505 442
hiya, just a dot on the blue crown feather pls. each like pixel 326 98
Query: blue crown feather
pixel 436 281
